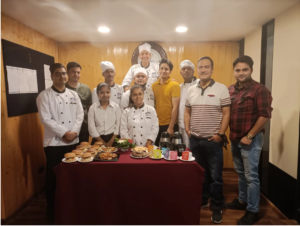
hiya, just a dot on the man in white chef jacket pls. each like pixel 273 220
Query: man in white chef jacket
pixel 108 72
pixel 61 113
pixel 140 78
pixel 151 67
pixel 187 70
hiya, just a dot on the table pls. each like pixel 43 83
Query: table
pixel 130 191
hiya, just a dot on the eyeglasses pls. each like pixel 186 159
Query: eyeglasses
pixel 58 74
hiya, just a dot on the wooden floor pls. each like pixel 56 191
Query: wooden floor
pixel 35 212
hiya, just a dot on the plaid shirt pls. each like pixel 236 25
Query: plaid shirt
pixel 247 105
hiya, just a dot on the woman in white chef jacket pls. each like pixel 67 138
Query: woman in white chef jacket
pixel 139 121
pixel 104 117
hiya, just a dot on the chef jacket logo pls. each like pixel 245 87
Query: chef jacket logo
pixel 148 115
pixel 151 96
pixel 72 100
pixel 211 95
pixel 119 95
pixel 154 74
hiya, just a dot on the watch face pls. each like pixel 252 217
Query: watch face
pixel 155 57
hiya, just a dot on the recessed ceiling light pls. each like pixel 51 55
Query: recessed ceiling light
pixel 181 29
pixel 103 29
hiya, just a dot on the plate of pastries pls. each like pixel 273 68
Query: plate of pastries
pixel 139 152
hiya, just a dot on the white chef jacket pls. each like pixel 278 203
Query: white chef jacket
pixel 116 92
pixel 59 112
pixel 139 124
pixel 183 92
pixel 104 121
pixel 152 70
pixel 148 98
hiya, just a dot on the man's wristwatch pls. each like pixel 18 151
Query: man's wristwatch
pixel 249 136
pixel 221 135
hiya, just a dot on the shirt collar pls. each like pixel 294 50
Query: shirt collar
pixel 212 82
pixel 56 90
pixel 246 86
pixel 99 105
pixel 140 106
pixel 145 67
pixel 166 82
pixel 194 79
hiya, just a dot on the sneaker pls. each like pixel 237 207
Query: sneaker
pixel 236 205
pixel 205 205
pixel 248 219
pixel 216 216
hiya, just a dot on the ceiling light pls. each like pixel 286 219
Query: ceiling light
pixel 181 29
pixel 103 29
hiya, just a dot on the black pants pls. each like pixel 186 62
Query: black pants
pixel 105 138
pixel 84 136
pixel 164 128
pixel 54 155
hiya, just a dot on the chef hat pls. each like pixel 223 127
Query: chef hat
pixel 106 65
pixel 187 63
pixel 145 46
pixel 140 70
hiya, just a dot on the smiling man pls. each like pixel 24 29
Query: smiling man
pixel 151 68
pixel 84 93
pixel 250 111
pixel 140 78
pixel 206 118
pixel 61 113
pixel 109 74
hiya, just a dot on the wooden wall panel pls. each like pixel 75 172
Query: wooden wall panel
pixel 89 56
pixel 22 150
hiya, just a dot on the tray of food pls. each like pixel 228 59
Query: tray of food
pixel 107 157
pixel 108 149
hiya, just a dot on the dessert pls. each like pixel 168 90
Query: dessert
pixel 140 154
pixel 139 149
pixel 108 149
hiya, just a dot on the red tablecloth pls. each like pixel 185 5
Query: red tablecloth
pixel 130 191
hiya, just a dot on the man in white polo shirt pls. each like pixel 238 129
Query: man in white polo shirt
pixel 108 72
pixel 152 68
pixel 206 119
pixel 187 70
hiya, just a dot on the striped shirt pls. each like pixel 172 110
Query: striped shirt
pixel 206 108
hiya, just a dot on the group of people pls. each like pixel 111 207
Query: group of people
pixel 200 109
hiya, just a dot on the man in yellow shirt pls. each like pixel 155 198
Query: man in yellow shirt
pixel 167 95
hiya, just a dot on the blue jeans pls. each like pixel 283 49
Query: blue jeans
pixel 209 155
pixel 246 160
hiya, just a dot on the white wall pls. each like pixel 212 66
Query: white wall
pixel 286 92
pixel 253 49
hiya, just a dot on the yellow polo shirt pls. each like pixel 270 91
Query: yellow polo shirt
pixel 163 99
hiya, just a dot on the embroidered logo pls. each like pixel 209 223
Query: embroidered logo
pixel 148 115
pixel 211 95
pixel 151 96
pixel 119 95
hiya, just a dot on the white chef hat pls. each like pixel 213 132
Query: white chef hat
pixel 140 70
pixel 145 46
pixel 106 65
pixel 187 63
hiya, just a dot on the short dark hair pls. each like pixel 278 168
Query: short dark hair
pixel 73 64
pixel 54 66
pixel 207 58
pixel 101 85
pixel 244 59
pixel 166 61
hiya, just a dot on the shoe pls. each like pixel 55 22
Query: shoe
pixel 216 216
pixel 236 205
pixel 204 205
pixel 248 219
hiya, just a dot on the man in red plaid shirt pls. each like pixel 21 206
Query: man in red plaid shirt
pixel 250 110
